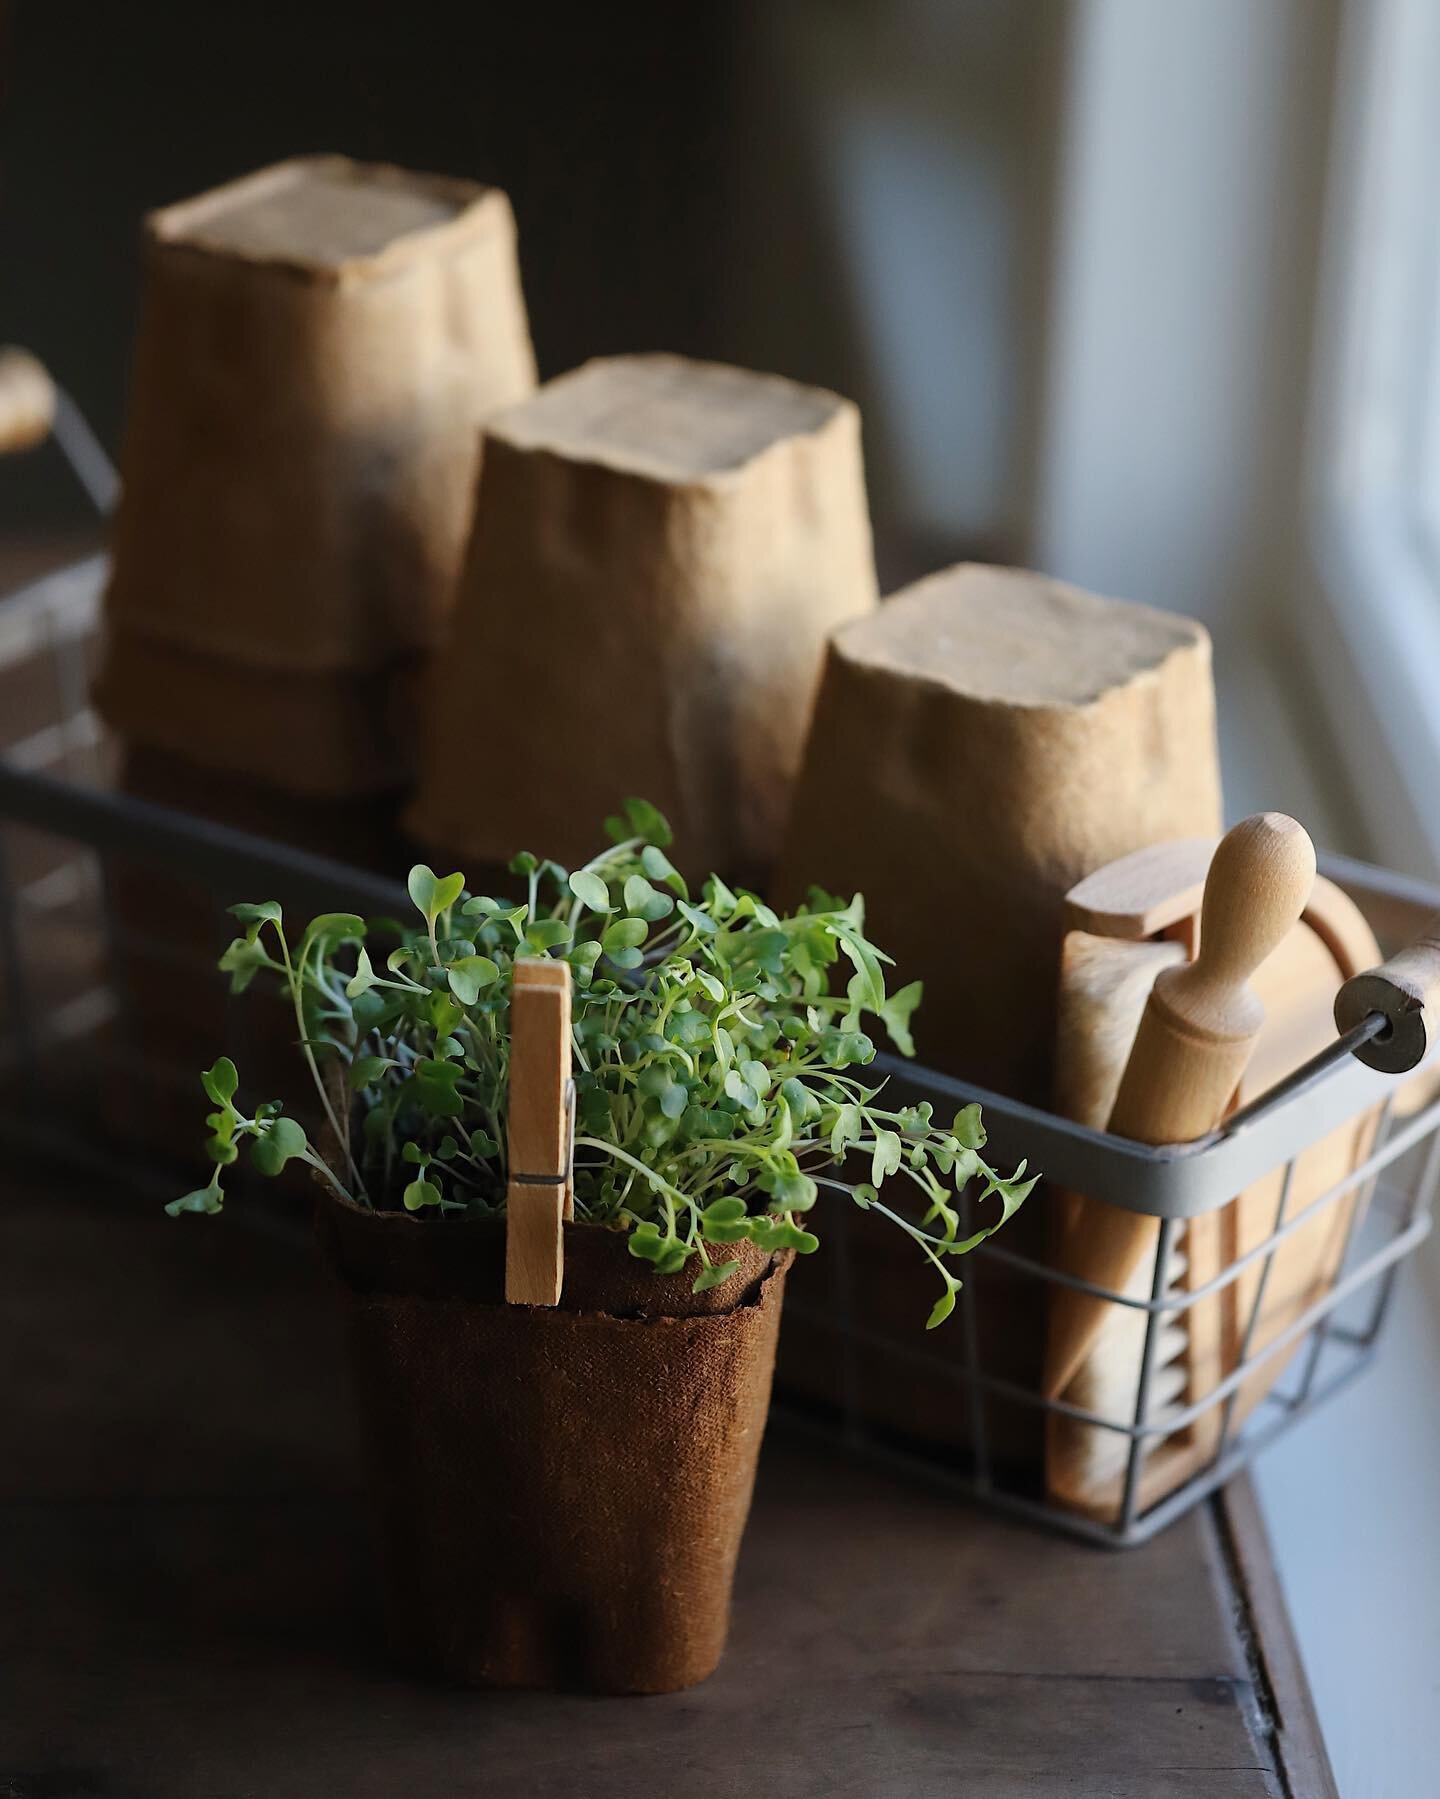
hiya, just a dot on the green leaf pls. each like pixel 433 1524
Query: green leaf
pixel 943 1306
pixel 332 928
pixel 724 1211
pixel 523 863
pixel 435 1082
pixel 420 1194
pixel 756 1077
pixel 590 890
pixel 443 1012
pixel 649 822
pixel 968 1127
pixel 700 922
pixel 867 964
pixel 432 893
pixel 794 1193
pixel 714 1276
pixel 718 897
pixel 366 1069
pixel 284 1140
pixel 204 1199
pixel 738 1089
pixel 887 1156
pixel 845 1130
pixel 252 916
pixel 659 867
pixel 363 978
pixel 895 1015
pixel 242 961
pixel 221 1081
pixel 646 901
pixel 626 958
pixel 646 1243
pixel 625 933
pixel 547 934
pixel 469 976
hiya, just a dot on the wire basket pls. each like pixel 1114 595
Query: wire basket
pixel 112 908
pixel 85 1073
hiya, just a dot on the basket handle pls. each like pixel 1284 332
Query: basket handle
pixel 1405 990
pixel 27 400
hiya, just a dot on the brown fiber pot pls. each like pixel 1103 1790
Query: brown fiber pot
pixel 561 1492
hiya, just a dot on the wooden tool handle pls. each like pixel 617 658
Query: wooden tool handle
pixel 1201 1021
pixel 1406 988
pixel 27 400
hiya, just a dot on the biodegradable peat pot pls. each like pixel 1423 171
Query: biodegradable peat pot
pixel 660 548
pixel 562 1493
pixel 318 345
pixel 980 744
pixel 342 734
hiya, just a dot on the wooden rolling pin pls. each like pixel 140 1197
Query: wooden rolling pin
pixel 27 400
pixel 1197 1033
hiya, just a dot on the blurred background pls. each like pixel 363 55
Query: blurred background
pixel 1083 265
pixel 1139 292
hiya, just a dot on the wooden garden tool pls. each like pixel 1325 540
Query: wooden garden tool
pixel 1196 1035
pixel 27 400
pixel 1123 923
pixel 539 1196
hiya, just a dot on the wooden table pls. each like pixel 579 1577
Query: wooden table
pixel 188 1614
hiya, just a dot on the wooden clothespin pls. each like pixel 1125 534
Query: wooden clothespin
pixel 539 1196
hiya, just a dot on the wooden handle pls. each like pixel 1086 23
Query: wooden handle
pixel 27 400
pixel 537 1196
pixel 1406 988
pixel 1201 1021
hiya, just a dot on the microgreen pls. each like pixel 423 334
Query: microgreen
pixel 716 1092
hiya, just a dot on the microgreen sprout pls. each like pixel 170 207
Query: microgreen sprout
pixel 716 1072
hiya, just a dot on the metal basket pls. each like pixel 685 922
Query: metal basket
pixel 81 1067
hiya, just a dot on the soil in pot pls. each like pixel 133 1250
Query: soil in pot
pixel 562 1493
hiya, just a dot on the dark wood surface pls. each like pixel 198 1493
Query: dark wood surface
pixel 188 1610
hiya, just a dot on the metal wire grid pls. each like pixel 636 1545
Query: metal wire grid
pixel 54 618
pixel 1388 1221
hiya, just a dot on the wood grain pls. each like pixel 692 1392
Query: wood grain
pixel 190 1605
pixel 536 1195
pixel 1104 982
